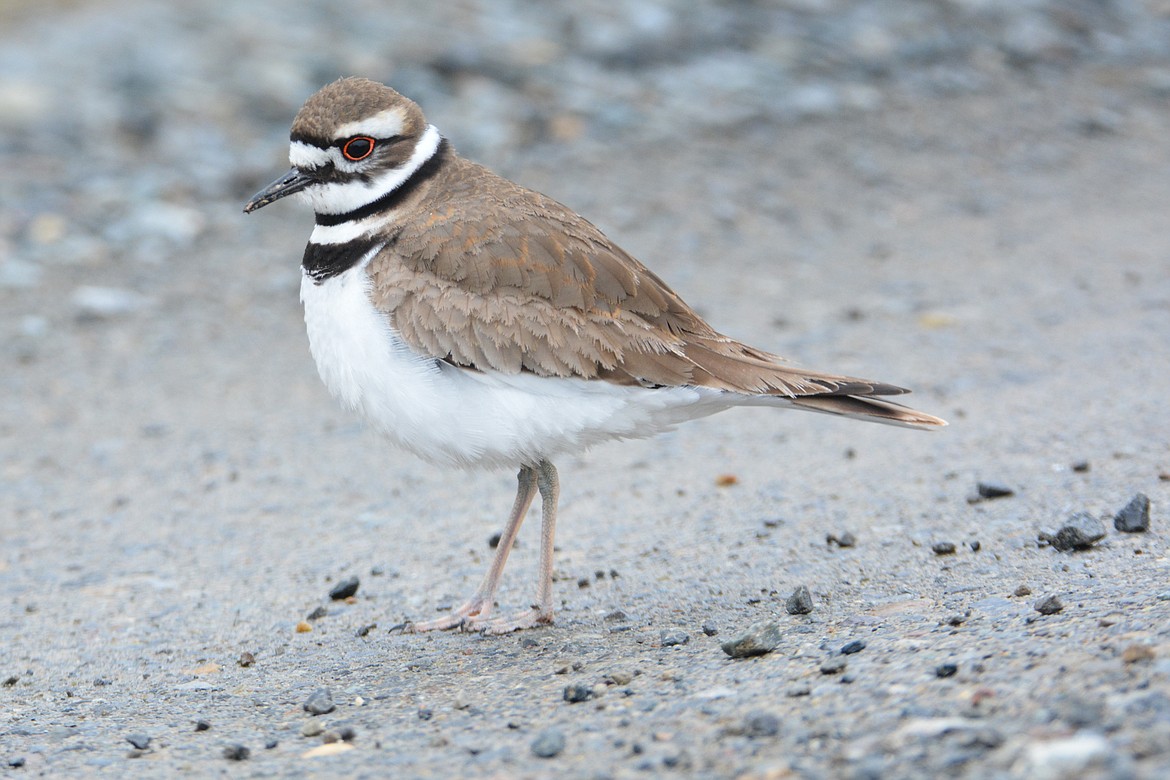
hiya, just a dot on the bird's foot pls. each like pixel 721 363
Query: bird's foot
pixel 529 618
pixel 476 616
pixel 463 617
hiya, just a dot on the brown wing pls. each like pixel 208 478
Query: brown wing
pixel 546 292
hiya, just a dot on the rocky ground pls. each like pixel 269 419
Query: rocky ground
pixel 967 197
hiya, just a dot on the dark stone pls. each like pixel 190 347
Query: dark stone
pixel 1080 532
pixel 758 639
pixel 1049 605
pixel 140 741
pixel 16 763
pixel 990 490
pixel 494 540
pixel 1081 466
pixel 11 681
pixel 425 714
pixel 975 545
pixel 710 629
pixel 674 636
pixel 202 725
pixel 800 602
pixel 344 589
pixel 1134 516
pixel 548 743
pixel 577 692
pixel 943 548
pixel 320 702
pixel 237 753
pixel 946 670
pixel 617 616
pixel 761 724
pixel 246 659
pixel 317 614
pixel 846 539
pixel 856 646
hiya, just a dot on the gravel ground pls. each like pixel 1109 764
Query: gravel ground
pixel 965 197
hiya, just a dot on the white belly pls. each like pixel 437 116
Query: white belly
pixel 450 415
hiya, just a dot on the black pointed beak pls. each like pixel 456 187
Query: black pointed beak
pixel 292 182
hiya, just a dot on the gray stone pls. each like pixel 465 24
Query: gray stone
pixel 320 702
pixel 1080 532
pixel 759 639
pixel 800 602
pixel 1049 605
pixel 549 743
pixel 761 724
pixel 672 637
pixel 1134 517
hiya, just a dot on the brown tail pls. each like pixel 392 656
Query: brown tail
pixel 868 408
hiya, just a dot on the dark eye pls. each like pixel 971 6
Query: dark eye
pixel 358 148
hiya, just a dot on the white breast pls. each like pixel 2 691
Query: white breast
pixel 451 415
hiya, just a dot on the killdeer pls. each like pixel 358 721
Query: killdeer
pixel 478 323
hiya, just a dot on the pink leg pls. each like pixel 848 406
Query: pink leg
pixel 541 614
pixel 477 609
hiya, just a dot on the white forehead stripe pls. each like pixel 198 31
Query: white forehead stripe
pixel 343 197
pixel 386 124
pixel 303 155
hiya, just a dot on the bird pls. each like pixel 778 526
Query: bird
pixel 477 323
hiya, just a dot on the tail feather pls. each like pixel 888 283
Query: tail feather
pixel 872 409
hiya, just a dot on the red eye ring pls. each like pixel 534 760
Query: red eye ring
pixel 358 148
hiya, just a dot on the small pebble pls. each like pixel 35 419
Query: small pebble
pixel 856 646
pixel 1049 605
pixel 1135 516
pixel 800 602
pixel 617 616
pixel 672 637
pixel 304 627
pixel 975 545
pixel 343 734
pixel 494 540
pixel 246 659
pixel 846 539
pixel 320 702
pixel 365 630
pixel 317 614
pixel 834 665
pixel 344 589
pixel 311 728
pixel 761 724
pixel 548 743
pixel 943 548
pixel 1135 653
pixel 237 753
pixel 758 639
pixel 1080 532
pixel 945 670
pixel 140 741
pixel 425 713
pixel 271 744
pixel 990 490
pixel 1023 590
pixel 202 725
pixel 16 763
pixel 1081 466
pixel 710 629
pixel 577 692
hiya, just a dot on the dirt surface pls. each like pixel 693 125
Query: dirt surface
pixel 178 493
